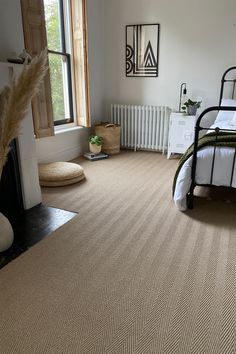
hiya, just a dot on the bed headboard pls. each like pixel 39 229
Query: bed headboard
pixel 224 80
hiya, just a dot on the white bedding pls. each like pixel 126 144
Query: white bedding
pixel 222 169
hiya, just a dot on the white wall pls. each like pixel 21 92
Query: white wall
pixel 197 43
pixel 96 50
pixel 64 146
pixel 11 32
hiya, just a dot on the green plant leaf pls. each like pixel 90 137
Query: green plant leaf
pixel 192 103
pixel 95 139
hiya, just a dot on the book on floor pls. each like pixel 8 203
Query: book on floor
pixel 94 157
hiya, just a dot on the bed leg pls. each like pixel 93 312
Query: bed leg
pixel 190 199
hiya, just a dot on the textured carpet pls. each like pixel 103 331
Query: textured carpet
pixel 129 274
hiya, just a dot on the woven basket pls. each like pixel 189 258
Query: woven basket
pixel 110 134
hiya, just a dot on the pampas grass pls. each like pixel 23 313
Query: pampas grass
pixel 15 100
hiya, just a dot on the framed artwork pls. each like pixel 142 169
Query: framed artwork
pixel 142 49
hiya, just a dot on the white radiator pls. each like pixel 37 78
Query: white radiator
pixel 142 127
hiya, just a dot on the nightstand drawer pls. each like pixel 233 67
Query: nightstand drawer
pixel 181 133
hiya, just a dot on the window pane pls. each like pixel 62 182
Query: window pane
pixel 59 87
pixel 53 25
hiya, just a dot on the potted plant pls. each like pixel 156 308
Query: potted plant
pixel 190 107
pixel 95 144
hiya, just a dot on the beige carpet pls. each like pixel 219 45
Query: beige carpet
pixel 130 274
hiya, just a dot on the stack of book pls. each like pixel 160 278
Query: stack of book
pixel 94 157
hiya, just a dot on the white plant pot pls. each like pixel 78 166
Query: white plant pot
pixel 6 233
pixel 95 149
pixel 192 110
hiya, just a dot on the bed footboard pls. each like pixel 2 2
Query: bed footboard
pixel 217 130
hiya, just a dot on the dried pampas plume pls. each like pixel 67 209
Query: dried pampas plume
pixel 15 100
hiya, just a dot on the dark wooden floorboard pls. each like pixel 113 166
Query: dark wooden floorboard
pixel 31 227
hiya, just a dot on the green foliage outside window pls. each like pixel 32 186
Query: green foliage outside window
pixel 55 61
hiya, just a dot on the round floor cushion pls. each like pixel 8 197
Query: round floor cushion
pixel 57 174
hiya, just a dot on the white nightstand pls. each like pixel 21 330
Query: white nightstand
pixel 181 133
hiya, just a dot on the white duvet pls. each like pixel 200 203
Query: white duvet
pixel 222 169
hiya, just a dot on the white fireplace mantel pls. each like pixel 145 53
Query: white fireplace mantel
pixel 26 146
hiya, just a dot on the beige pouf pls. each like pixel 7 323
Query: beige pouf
pixel 58 174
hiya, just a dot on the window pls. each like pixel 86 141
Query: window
pixel 61 26
pixel 59 48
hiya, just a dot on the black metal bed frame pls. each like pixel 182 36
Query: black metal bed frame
pixel 199 128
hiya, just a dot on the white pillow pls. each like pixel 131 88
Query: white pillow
pixel 226 115
pixel 228 102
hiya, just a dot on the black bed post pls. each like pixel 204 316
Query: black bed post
pixel 194 165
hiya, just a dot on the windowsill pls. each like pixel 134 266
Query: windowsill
pixel 65 129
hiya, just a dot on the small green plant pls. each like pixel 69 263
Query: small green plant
pixel 190 103
pixel 95 139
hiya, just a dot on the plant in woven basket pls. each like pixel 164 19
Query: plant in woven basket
pixel 15 100
pixel 95 139
pixel 95 144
